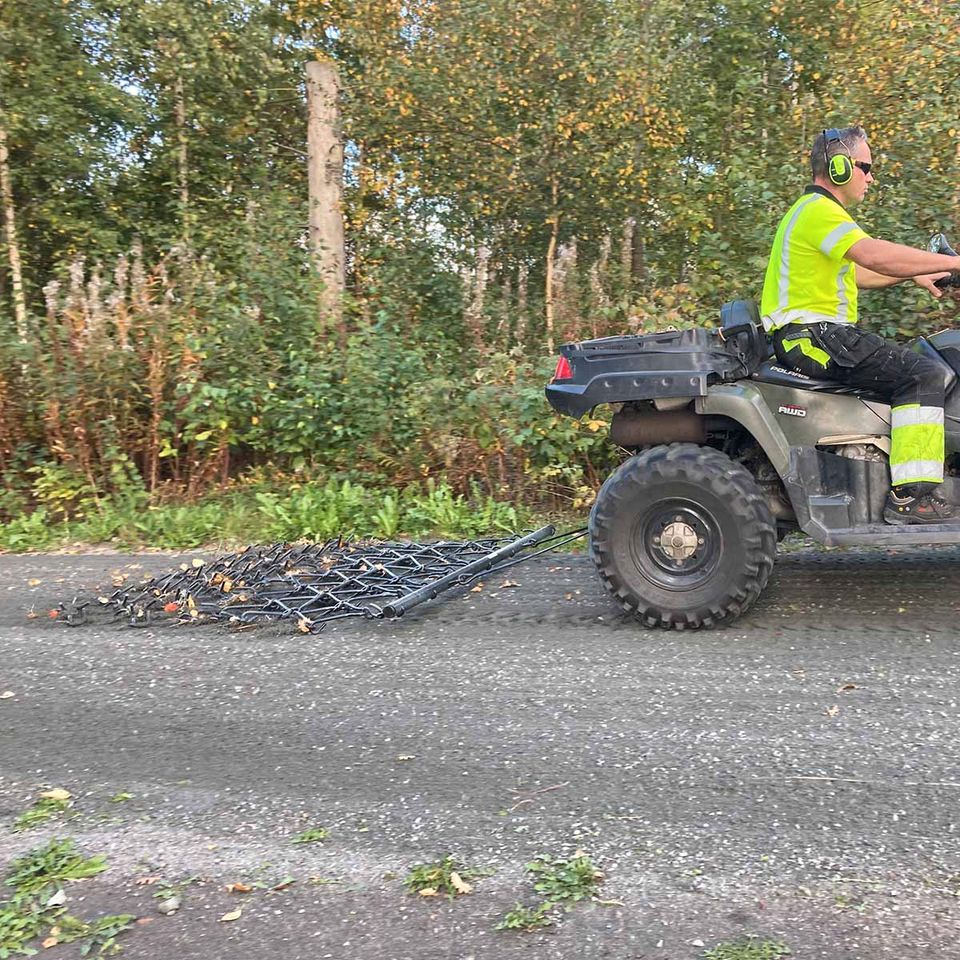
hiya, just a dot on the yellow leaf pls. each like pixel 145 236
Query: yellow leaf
pixel 49 942
pixel 239 888
pixel 458 883
pixel 428 892
pixel 232 915
pixel 58 793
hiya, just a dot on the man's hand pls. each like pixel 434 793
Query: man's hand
pixel 927 280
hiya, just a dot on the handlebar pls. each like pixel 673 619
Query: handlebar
pixel 938 244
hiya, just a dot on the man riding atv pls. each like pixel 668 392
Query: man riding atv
pixel 820 257
pixel 840 436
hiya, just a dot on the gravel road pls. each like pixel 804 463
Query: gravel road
pixel 793 777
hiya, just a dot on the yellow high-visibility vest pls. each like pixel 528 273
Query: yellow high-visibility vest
pixel 808 278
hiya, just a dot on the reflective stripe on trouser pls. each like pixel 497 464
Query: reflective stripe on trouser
pixel 807 349
pixel 916 444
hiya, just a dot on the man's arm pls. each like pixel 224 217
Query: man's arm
pixel 896 262
pixel 871 280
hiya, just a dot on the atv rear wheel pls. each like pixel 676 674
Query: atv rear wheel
pixel 682 537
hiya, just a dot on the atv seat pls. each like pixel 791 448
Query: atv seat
pixel 740 324
pixel 772 371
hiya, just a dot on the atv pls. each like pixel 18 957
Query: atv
pixel 729 452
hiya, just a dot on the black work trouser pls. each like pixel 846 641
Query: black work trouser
pixel 913 384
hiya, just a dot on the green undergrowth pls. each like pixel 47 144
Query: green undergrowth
pixel 562 882
pixel 35 908
pixel 748 948
pixel 447 877
pixel 259 513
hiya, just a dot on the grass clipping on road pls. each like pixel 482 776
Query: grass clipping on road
pixel 36 909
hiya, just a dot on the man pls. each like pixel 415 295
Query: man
pixel 820 258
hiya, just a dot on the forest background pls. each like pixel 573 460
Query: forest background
pixel 165 374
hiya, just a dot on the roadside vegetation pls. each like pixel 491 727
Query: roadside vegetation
pixel 167 377
pixel 254 511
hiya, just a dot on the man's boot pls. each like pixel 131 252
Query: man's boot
pixel 926 508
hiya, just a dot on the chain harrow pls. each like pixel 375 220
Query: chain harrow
pixel 310 584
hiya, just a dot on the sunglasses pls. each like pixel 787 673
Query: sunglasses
pixel 863 165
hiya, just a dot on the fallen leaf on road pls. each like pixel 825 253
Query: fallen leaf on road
pixel 458 883
pixel 232 915
pixel 49 942
pixel 568 596
pixel 428 892
pixel 477 588
pixel 303 625
pixel 171 607
pixel 57 793
pixel 58 899
pixel 832 711
pixel 143 920
pixel 239 887
pixel 146 881
pixel 283 884
pixel 34 583
pixel 846 686
pixel 7 694
pixel 509 583
pixel 53 614
pixel 406 756
pixel 32 615
pixel 197 562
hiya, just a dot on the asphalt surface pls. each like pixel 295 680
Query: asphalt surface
pixel 793 777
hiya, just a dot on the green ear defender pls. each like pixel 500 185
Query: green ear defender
pixel 839 166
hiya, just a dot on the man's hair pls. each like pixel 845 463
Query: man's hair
pixel 849 138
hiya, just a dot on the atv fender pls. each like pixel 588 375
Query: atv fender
pixel 743 402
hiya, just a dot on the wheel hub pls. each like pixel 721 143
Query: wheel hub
pixel 678 540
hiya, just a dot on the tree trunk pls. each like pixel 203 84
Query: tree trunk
pixel 183 158
pixel 638 266
pixel 13 248
pixel 626 249
pixel 554 222
pixel 325 170
pixel 478 295
pixel 523 274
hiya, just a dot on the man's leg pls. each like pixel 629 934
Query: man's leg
pixel 915 387
pixel 916 434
